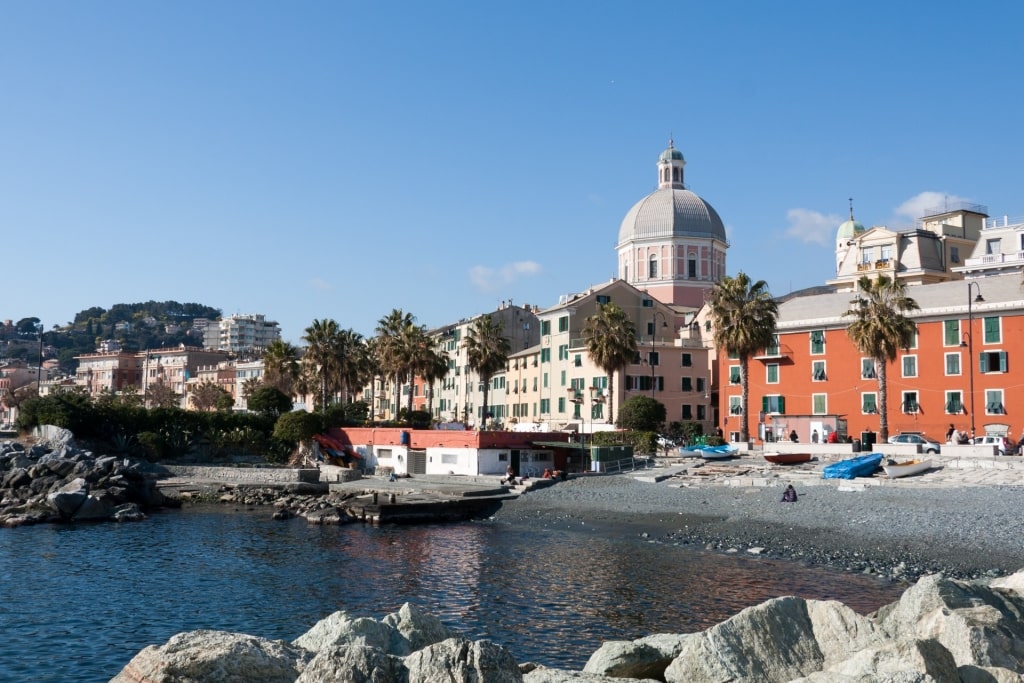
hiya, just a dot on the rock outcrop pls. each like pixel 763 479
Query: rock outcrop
pixel 940 631
pixel 54 481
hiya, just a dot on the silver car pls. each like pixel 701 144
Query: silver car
pixel 927 445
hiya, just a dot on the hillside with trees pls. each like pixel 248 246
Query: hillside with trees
pixel 137 326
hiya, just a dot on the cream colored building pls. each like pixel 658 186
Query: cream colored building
pixel 934 250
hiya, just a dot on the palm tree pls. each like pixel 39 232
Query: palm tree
pixel 322 357
pixel 390 351
pixel 354 366
pixel 743 314
pixel 880 330
pixel 487 350
pixel 433 369
pixel 414 345
pixel 281 366
pixel 610 338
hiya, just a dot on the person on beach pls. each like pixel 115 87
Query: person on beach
pixel 510 476
pixel 950 433
pixel 792 436
pixel 719 433
pixel 789 495
pixel 814 436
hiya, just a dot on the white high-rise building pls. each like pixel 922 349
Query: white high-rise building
pixel 241 333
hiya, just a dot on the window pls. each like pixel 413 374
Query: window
pixel 734 374
pixel 992 361
pixel 449 458
pixel 652 266
pixel 578 361
pixel 701 412
pixel 910 404
pixel 951 333
pixel 687 412
pixel 818 342
pixel 545 355
pixel 994 402
pixel 992 335
pixel 563 379
pixel 867 368
pixel 735 405
pixel 952 363
pixel 993 246
pixel 652 358
pixel 691 268
pixel 772 376
pixel 647 303
pixel 561 404
pixel 913 339
pixel 818 371
pixel 954 254
pixel 687 384
pixel 563 352
pixel 869 403
pixel 886 252
pixel 910 366
pixel 819 404
pixel 868 255
pixel 700 384
pixel 545 328
pixel 773 348
pixel 603 299
pixel 563 323
pixel 545 406
pixel 687 360
pixel 954 402
pixel 773 404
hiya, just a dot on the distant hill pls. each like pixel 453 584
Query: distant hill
pixel 138 326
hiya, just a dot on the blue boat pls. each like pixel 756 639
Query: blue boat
pixel 861 466
pixel 717 452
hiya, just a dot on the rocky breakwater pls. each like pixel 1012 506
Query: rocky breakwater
pixel 940 631
pixel 54 481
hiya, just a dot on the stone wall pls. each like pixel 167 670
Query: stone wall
pixel 246 475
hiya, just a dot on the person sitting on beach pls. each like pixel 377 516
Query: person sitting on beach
pixel 510 476
pixel 792 436
pixel 547 473
pixel 789 495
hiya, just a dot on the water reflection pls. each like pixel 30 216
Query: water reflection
pixel 100 593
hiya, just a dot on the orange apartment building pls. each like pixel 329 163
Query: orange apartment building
pixel 963 369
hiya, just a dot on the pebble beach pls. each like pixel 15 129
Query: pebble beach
pixel 900 532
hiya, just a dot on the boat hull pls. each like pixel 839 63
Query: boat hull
pixel 861 466
pixel 787 458
pixel 906 469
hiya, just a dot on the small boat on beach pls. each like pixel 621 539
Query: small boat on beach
pixel 861 466
pixel 717 452
pixel 787 458
pixel 906 468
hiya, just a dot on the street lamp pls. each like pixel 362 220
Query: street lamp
pixel 654 333
pixel 970 341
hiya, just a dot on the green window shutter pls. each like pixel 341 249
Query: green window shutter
pixel 991 330
pixel 764 404
pixel 1002 361
pixel 981 362
pixel 782 404
pixel 951 332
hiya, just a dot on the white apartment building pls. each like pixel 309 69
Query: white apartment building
pixel 241 334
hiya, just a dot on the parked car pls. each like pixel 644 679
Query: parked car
pixel 665 443
pixel 1005 444
pixel 927 445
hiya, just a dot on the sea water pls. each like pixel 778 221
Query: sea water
pixel 78 602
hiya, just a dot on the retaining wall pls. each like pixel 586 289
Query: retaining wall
pixel 246 475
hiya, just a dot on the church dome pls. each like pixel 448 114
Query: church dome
pixel 850 228
pixel 671 212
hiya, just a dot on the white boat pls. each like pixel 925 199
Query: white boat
pixel 906 468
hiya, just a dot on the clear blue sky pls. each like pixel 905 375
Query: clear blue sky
pixel 340 159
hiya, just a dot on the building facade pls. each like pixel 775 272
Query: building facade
pixel 248 334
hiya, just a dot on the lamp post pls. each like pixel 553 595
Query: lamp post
pixel 970 342
pixel 654 333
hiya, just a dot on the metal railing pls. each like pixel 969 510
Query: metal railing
pixel 626 465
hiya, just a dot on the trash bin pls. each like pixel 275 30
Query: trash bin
pixel 867 440
pixel 856 445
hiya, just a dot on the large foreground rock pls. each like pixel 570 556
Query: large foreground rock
pixel 940 631
pixel 215 657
